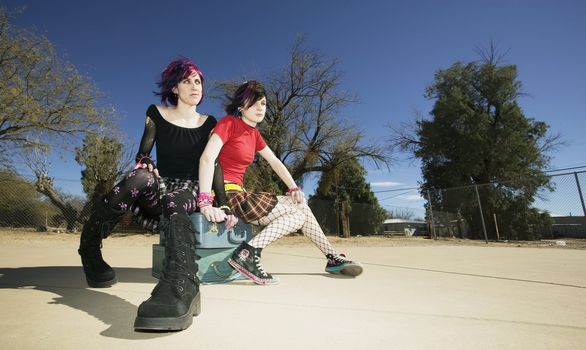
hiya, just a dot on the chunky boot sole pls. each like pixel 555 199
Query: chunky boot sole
pixel 170 323
pixel 101 284
pixel 250 276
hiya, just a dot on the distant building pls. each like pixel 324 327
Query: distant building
pixel 405 227
pixel 566 226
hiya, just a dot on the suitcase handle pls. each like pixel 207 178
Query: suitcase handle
pixel 223 274
pixel 238 238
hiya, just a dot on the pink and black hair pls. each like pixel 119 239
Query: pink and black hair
pixel 245 96
pixel 175 72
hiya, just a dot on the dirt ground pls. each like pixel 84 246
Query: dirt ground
pixel 299 240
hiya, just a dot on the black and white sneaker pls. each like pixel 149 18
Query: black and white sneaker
pixel 246 260
pixel 339 264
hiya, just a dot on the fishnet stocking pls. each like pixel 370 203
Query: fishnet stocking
pixel 287 217
pixel 282 220
pixel 312 230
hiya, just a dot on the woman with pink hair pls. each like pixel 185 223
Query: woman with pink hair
pixel 166 190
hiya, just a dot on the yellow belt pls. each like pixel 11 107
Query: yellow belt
pixel 230 186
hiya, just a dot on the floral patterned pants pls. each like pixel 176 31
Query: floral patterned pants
pixel 140 191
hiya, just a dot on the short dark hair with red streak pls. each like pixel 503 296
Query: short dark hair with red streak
pixel 245 96
pixel 175 72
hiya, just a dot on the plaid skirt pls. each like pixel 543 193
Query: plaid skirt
pixel 251 206
pixel 166 185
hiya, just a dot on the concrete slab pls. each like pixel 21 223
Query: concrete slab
pixel 409 297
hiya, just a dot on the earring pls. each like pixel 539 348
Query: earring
pixel 239 112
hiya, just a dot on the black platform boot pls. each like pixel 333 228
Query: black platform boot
pixel 98 273
pixel 176 298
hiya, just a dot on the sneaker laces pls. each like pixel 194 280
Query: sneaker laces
pixel 259 266
pixel 340 259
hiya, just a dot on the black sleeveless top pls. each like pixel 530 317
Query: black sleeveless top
pixel 178 148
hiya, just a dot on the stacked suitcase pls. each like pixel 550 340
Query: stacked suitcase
pixel 214 246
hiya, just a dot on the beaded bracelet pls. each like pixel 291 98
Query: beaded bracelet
pixel 204 199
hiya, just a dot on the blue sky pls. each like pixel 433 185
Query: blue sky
pixel 388 51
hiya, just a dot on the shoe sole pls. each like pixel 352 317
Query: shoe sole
pixel 250 276
pixel 103 284
pixel 170 323
pixel 349 270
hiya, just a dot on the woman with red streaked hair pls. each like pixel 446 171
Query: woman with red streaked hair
pixel 169 188
pixel 234 142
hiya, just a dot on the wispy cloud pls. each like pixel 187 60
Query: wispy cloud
pixel 385 184
pixel 411 197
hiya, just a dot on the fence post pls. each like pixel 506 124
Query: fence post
pixel 337 209
pixel 496 225
pixel 481 214
pixel 431 215
pixel 580 193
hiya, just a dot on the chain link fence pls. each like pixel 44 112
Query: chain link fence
pixel 498 212
pixel 25 208
pixel 473 212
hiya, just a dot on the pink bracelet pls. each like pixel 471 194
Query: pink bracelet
pixel 204 199
pixel 293 189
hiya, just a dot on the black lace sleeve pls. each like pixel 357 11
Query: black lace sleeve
pixel 147 142
pixel 218 187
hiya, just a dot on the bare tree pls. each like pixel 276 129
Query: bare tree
pixel 303 124
pixel 104 161
pixel 39 92
pixel 37 160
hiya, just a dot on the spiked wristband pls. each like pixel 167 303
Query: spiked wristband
pixel 144 159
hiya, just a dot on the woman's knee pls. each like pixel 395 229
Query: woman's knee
pixel 300 220
pixel 182 202
pixel 140 178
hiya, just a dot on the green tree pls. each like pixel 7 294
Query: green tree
pixel 42 97
pixel 22 205
pixel 104 161
pixel 344 199
pixel 478 134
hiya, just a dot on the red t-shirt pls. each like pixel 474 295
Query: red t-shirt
pixel 241 142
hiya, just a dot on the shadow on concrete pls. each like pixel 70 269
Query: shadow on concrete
pixel 68 283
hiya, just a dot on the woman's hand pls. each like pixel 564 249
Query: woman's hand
pixel 145 162
pixel 149 167
pixel 297 196
pixel 214 214
pixel 231 221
